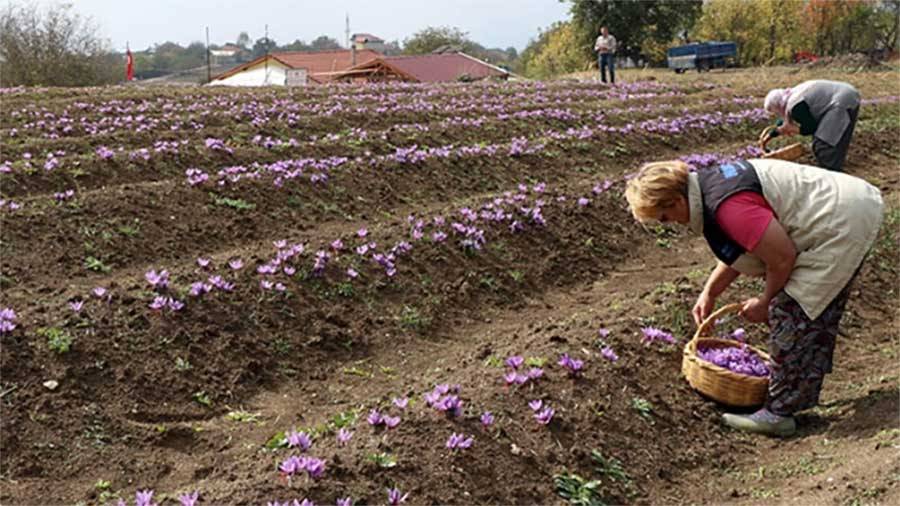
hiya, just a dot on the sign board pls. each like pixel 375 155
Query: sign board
pixel 296 77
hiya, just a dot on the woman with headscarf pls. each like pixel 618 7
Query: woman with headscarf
pixel 805 229
pixel 827 110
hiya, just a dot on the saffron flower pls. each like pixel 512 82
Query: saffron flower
pixel 7 320
pixel 515 361
pixel 159 302
pixel 289 271
pixel 394 497
pixel 337 245
pixel 236 264
pixel 143 498
pixel 609 354
pixel 536 404
pixel 76 305
pixel 604 333
pixel 574 366
pixel 739 335
pixel 299 440
pixel 375 418
pixel 544 417
pixel 189 499
pixel 157 279
pixel 344 501
pixel 203 262
pixel 582 202
pixel 487 419
pixel 362 233
pixel 535 373
pixel 459 442
pixel 344 436
pixel 401 402
pixel 352 274
pixel 391 421
pixel 99 292
pixel 654 334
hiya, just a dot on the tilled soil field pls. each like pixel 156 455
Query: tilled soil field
pixel 192 277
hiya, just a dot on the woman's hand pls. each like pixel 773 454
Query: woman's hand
pixel 703 307
pixel 788 129
pixel 755 310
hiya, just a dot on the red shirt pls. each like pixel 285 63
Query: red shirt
pixel 744 218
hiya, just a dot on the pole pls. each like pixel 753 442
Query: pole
pixel 266 79
pixel 208 69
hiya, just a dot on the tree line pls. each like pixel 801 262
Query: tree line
pixel 766 31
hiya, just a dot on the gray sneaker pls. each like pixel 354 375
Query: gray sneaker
pixel 762 422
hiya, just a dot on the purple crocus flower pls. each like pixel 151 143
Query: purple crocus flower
pixel 344 501
pixel 159 302
pixel 337 245
pixel 459 442
pixel 535 373
pixel 143 498
pixel 582 202
pixel 394 497
pixel 574 366
pixel 344 436
pixel 203 262
pixel 544 417
pixel 391 421
pixel 236 264
pixel 351 273
pixel 510 377
pixel 99 292
pixel 157 279
pixel 609 354
pixel 739 335
pixel 175 305
pixel 289 271
pixel 536 404
pixel 604 333
pixel 299 440
pixel 375 418
pixel 654 334
pixel 76 305
pixel 362 232
pixel 401 402
pixel 315 468
pixel 515 361
pixel 290 465
pixel 487 419
pixel 189 499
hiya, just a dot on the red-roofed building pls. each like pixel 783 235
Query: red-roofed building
pixel 293 68
pixel 368 41
pixel 426 68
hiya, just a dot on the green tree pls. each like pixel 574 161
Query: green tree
pixel 554 52
pixel 262 46
pixel 324 42
pixel 635 24
pixel 427 40
pixel 54 47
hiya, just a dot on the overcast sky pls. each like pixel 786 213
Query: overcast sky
pixel 492 23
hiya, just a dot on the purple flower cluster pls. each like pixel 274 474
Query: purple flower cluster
pixel 739 359
pixel 196 176
pixel 375 419
pixel 652 334
pixel 314 467
pixel 445 398
pixel 515 377
pixel 395 497
pixel 104 153
pixel 64 196
pixel 459 442
pixel 160 303
pixel 159 280
pixel 7 320
pixel 299 440
pixel 574 366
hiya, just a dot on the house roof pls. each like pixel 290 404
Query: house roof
pixel 432 68
pixel 319 64
pixel 366 37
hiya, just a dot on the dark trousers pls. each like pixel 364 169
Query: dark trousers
pixel 608 60
pixel 832 157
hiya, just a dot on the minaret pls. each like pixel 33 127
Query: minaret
pixel 347 30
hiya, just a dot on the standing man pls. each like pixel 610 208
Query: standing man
pixel 606 50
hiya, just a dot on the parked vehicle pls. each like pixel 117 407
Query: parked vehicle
pixel 702 56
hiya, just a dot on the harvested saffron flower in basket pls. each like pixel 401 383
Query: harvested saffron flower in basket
pixel 739 359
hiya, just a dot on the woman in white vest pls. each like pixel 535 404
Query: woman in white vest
pixel 806 230
pixel 827 110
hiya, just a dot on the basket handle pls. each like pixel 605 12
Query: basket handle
pixel 730 308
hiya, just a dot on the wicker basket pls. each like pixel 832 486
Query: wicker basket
pixel 789 153
pixel 716 382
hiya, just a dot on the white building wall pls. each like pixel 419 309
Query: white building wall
pixel 257 75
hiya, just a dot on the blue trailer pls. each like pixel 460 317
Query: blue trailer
pixel 702 56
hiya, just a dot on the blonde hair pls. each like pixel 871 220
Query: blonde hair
pixel 657 186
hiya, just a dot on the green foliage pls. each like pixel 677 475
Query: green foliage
pixel 95 264
pixel 577 490
pixel 428 39
pixel 238 204
pixel 556 51
pixel 635 25
pixel 611 467
pixel 279 440
pixel 383 460
pixel 243 416
pixel 202 398
pixel 58 340
pixel 643 407
pixel 412 318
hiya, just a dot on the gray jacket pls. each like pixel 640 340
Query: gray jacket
pixel 829 103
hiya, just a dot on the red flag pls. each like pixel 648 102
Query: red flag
pixel 129 66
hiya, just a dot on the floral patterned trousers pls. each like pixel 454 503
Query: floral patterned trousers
pixel 801 351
